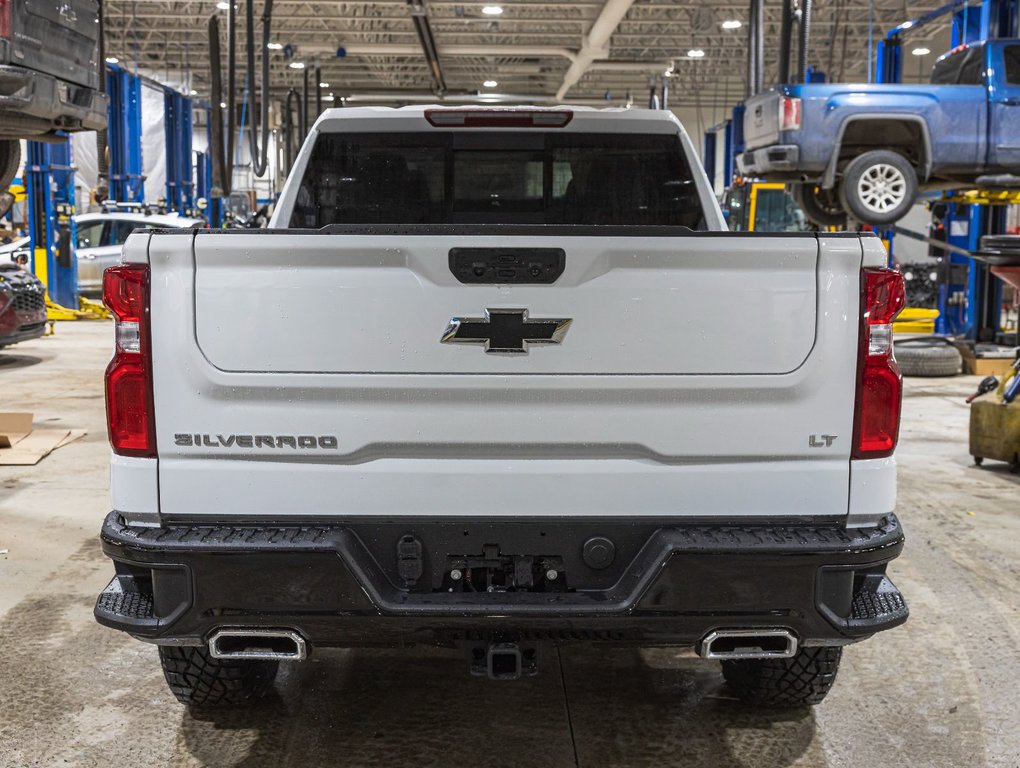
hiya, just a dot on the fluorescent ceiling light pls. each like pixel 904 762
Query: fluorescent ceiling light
pixel 695 53
pixel 193 92
pixel 274 46
pixel 223 6
pixel 492 10
pixel 297 65
pixel 732 24
pixel 490 83
pixel 324 85
pixel 223 105
pixel 921 51
pixel 112 60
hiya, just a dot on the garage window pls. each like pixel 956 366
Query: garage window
pixel 496 177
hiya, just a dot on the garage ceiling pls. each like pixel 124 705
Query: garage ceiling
pixel 532 50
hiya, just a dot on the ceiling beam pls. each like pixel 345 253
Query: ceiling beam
pixel 596 43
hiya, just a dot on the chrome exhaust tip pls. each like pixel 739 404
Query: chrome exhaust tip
pixel 728 644
pixel 264 644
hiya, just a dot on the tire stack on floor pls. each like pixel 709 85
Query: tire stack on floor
pixel 928 356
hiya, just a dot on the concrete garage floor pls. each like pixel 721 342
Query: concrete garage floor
pixel 940 691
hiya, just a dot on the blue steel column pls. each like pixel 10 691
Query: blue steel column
pixel 889 64
pixel 49 180
pixel 728 154
pixel 180 192
pixel 125 135
pixel 960 301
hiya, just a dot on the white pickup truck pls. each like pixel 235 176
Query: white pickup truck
pixel 498 379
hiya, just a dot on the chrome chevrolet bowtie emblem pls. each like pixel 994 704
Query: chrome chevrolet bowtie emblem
pixel 505 331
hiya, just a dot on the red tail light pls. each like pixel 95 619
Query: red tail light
pixel 879 384
pixel 5 18
pixel 789 114
pixel 129 412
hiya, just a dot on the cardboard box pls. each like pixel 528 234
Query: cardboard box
pixel 984 366
pixel 21 445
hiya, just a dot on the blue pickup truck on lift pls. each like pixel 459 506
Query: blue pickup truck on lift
pixel 867 150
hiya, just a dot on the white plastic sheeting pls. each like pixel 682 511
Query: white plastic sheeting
pixel 153 144
pixel 85 156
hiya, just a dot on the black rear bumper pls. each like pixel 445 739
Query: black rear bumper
pixel 380 583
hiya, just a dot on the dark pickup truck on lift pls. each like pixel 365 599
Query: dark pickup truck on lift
pixel 49 74
pixel 867 150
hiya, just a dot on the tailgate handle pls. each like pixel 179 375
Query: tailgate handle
pixel 492 266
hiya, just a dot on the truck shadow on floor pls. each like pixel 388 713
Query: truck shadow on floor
pixel 599 708
pixel 10 362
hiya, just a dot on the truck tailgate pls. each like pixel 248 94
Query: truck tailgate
pixel 303 375
pixel 761 119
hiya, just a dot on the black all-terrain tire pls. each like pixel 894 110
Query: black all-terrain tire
pixel 799 681
pixel 10 161
pixel 821 206
pixel 199 680
pixel 927 357
pixel 879 167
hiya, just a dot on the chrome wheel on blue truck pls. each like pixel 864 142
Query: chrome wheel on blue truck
pixel 878 187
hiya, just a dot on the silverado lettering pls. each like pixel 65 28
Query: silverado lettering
pixel 187 440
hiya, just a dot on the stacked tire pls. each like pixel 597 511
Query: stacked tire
pixel 928 356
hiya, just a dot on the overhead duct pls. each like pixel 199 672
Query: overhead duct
pixel 759 46
pixel 756 48
pixel 428 43
pixel 259 155
pixel 596 42
pixel 218 187
pixel 102 136
pixel 318 91
pixel 804 40
pixel 785 40
pixel 750 49
pixel 405 49
pixel 231 98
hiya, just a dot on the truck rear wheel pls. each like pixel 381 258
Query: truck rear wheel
pixel 878 187
pixel 800 681
pixel 199 680
pixel 10 161
pixel 821 206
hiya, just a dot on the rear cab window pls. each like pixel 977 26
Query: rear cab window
pixel 1011 59
pixel 496 177
pixel 963 67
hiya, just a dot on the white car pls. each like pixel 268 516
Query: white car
pixel 100 237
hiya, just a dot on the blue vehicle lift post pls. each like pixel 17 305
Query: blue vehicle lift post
pixel 125 135
pixel 180 188
pixel 49 180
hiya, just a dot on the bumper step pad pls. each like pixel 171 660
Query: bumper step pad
pixel 877 603
pixel 130 608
